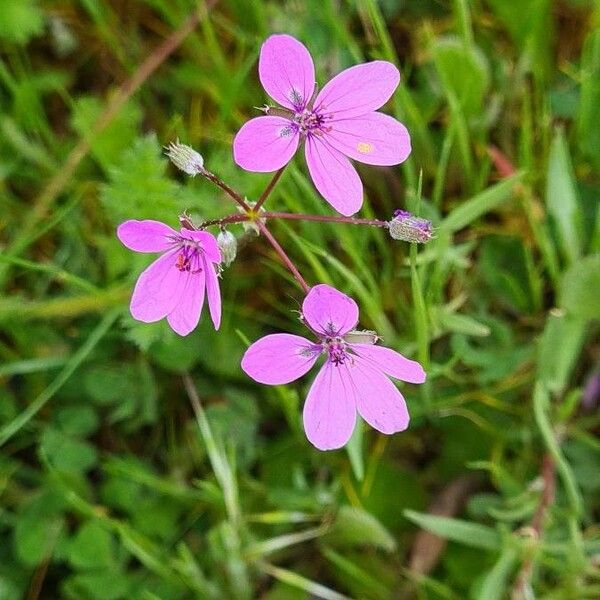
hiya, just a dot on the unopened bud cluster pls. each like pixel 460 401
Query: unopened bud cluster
pixel 408 228
pixel 185 158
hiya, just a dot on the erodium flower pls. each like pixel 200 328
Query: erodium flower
pixel 354 376
pixel 174 285
pixel 340 123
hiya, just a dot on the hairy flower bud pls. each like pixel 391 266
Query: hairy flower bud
pixel 228 245
pixel 185 158
pixel 408 228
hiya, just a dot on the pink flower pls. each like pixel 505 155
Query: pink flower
pixel 173 285
pixel 338 124
pixel 352 378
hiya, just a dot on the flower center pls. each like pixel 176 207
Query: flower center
pixel 312 122
pixel 336 349
pixel 188 258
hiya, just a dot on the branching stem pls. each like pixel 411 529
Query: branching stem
pixel 284 257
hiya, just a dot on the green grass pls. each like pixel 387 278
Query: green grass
pixel 114 483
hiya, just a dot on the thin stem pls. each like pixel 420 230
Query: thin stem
pixel 235 218
pixel 548 472
pixel 269 187
pixel 228 190
pixel 284 257
pixel 324 218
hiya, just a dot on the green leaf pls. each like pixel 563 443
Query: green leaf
pixel 78 421
pixel 457 530
pixel 21 20
pixel 92 547
pixel 560 345
pixel 66 453
pixel 38 529
pixel 561 198
pixel 588 132
pixel 354 448
pixel 457 323
pixel 580 288
pixel 104 585
pixel 356 527
pixel 176 353
pixel 495 583
pixel 464 72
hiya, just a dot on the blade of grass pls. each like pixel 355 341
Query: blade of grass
pixel 218 459
pixel 300 582
pixel 480 204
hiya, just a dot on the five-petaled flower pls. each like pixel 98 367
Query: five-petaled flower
pixel 338 124
pixel 173 286
pixel 354 376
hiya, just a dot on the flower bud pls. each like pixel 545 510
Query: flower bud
pixel 227 245
pixel 185 158
pixel 408 228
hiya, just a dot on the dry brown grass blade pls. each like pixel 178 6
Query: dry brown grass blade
pixel 428 547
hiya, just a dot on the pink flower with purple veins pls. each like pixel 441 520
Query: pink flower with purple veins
pixel 340 123
pixel 354 376
pixel 174 285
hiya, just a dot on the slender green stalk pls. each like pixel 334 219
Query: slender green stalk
pixel 541 403
pixel 221 467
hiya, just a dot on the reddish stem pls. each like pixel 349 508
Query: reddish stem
pixel 324 218
pixel 235 218
pixel 284 257
pixel 296 217
pixel 228 190
pixel 269 187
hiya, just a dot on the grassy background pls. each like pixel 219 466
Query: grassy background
pixel 113 486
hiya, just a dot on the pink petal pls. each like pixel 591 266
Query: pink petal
pixel 213 293
pixel 334 176
pixel 377 399
pixel 279 358
pixel 358 90
pixel 146 236
pixel 184 318
pixel 374 138
pixel 329 411
pixel 328 311
pixel 286 71
pixel 390 362
pixel 207 241
pixel 265 144
pixel 158 289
